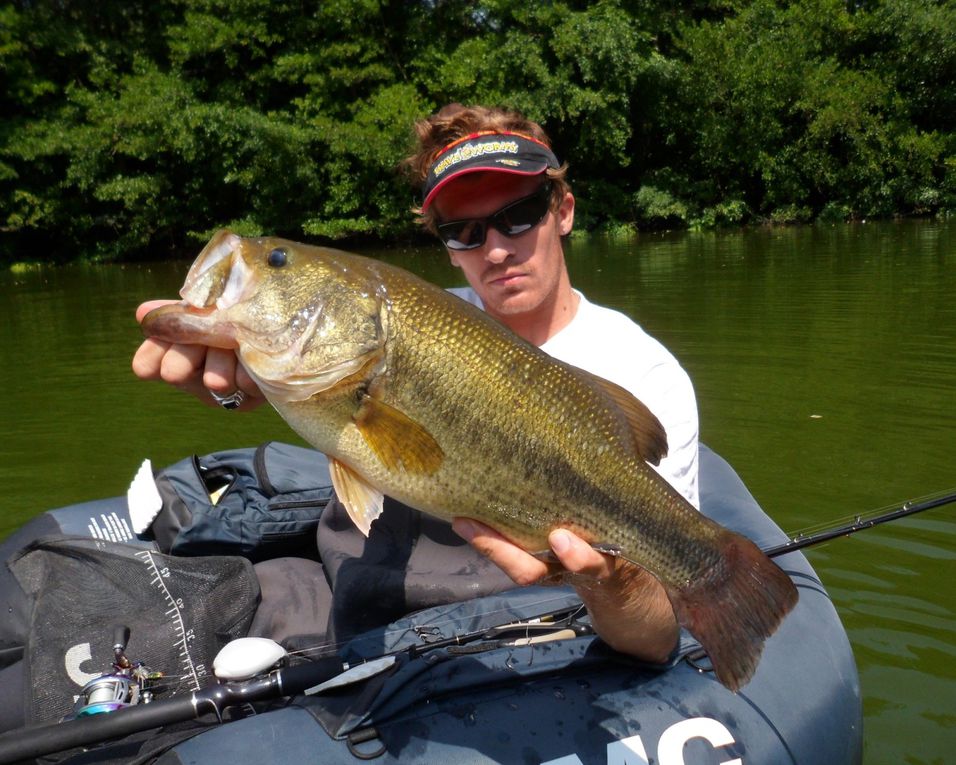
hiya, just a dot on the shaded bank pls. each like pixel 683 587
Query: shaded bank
pixel 134 129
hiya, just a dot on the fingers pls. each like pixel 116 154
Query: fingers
pixel 219 372
pixel 148 359
pixel 178 365
pixel 521 566
pixel 149 305
pixel 223 374
pixel 195 369
pixel 578 557
pixel 573 554
pixel 246 384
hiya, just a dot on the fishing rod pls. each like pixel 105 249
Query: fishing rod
pixel 800 541
pixel 247 672
pixel 247 668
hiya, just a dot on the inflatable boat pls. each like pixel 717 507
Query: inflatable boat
pixel 467 682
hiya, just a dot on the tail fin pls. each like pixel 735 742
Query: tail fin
pixel 735 607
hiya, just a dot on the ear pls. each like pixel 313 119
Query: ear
pixel 453 258
pixel 566 214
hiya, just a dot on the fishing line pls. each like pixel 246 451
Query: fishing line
pixel 813 528
pixel 841 527
pixel 436 627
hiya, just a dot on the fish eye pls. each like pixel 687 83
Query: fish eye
pixel 278 257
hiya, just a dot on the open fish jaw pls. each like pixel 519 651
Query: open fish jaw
pixel 219 276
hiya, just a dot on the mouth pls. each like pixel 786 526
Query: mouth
pixel 219 278
pixel 507 279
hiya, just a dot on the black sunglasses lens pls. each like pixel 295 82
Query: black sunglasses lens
pixel 463 234
pixel 523 215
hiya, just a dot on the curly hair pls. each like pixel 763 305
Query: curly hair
pixel 456 121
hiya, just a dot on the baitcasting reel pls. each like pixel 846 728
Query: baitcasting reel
pixel 129 683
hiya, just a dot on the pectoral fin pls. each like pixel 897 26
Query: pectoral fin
pixel 649 436
pixel 397 440
pixel 362 502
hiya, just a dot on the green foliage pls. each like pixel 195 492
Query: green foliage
pixel 139 128
pixel 834 212
pixel 791 214
pixel 784 107
pixel 659 209
pixel 732 212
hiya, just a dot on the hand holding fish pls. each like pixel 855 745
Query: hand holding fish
pixel 195 369
pixel 629 608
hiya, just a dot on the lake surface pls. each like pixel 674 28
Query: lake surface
pixel 824 360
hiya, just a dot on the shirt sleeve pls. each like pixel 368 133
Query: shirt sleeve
pixel 667 391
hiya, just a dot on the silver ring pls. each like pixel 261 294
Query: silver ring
pixel 232 401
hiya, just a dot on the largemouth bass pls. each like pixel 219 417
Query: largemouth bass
pixel 413 393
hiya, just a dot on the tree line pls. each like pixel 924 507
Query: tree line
pixel 132 128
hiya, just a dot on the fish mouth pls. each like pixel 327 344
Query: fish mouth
pixel 232 299
pixel 219 278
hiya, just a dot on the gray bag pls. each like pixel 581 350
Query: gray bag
pixel 259 503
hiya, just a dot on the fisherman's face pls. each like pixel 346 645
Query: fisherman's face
pixel 512 275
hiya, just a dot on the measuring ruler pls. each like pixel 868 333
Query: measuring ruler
pixel 192 671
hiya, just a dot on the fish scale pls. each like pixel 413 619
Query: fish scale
pixel 416 394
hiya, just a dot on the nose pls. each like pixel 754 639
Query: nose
pixel 498 247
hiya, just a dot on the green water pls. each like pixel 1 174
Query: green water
pixel 825 366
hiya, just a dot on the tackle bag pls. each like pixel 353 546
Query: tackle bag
pixel 259 503
pixel 180 612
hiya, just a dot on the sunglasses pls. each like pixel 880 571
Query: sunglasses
pixel 511 220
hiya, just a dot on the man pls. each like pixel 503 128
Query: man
pixel 496 195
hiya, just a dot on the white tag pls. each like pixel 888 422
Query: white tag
pixel 142 498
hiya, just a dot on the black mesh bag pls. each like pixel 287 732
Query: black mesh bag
pixel 180 612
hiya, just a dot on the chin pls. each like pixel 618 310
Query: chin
pixel 511 306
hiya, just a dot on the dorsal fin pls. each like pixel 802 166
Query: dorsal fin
pixel 648 435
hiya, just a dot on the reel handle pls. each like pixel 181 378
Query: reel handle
pixel 120 638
